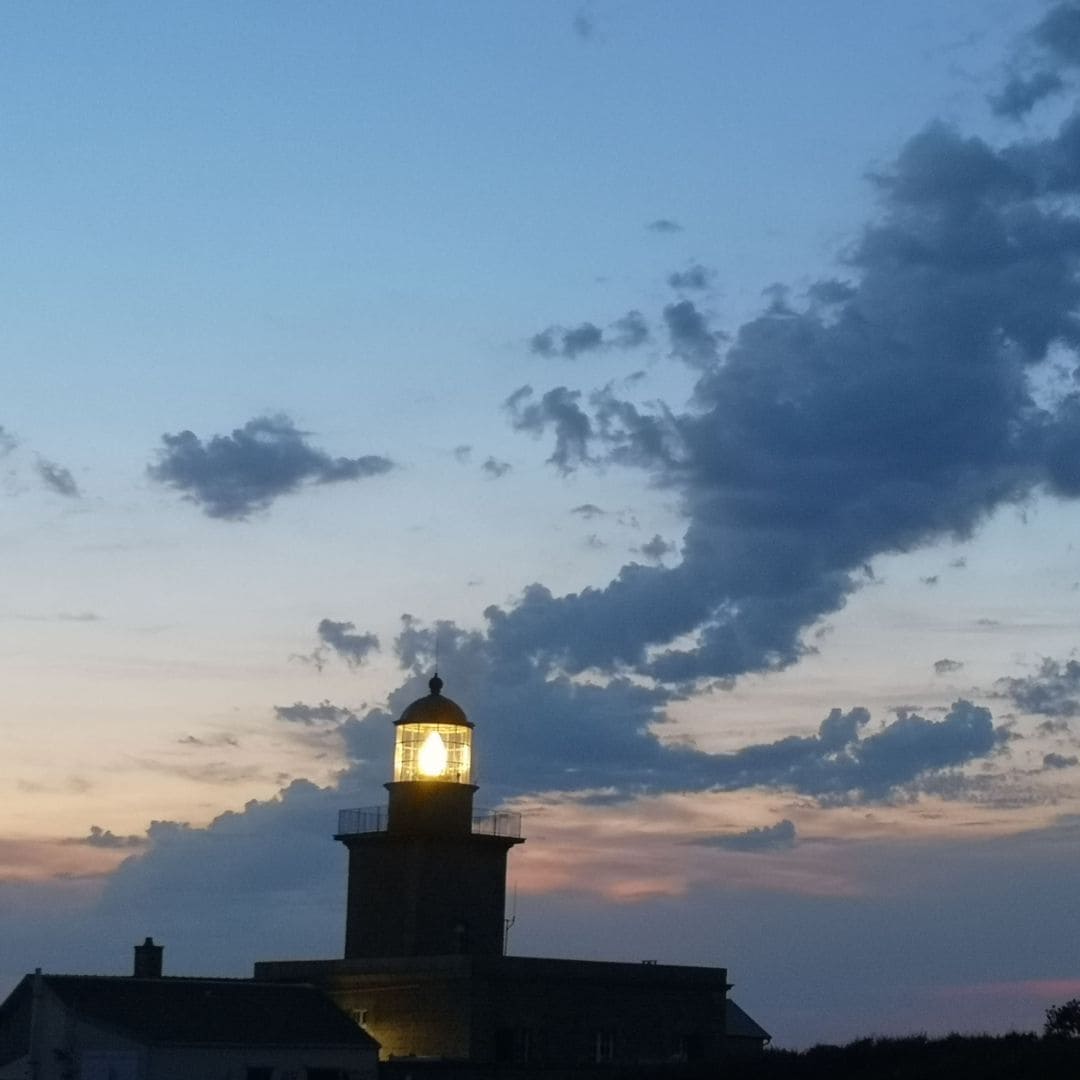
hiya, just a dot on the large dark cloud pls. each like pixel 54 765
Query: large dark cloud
pixel 900 413
pixel 233 476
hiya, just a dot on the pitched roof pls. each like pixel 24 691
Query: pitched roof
pixel 741 1025
pixel 209 1011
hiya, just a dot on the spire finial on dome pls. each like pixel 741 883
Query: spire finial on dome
pixel 435 684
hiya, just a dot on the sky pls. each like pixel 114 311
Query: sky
pixel 695 384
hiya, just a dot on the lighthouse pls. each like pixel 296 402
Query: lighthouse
pixel 427 873
pixel 424 970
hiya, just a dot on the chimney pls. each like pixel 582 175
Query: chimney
pixel 148 960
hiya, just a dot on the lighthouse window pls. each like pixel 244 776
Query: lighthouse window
pixel 433 752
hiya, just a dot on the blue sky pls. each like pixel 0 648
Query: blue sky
pixel 698 377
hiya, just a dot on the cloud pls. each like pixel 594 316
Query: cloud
pixel 588 511
pixel 630 331
pixel 558 409
pixel 694 276
pixel 584 26
pixel 1053 691
pixel 1053 49
pixel 494 468
pixel 816 440
pixel 829 291
pixel 546 732
pixel 207 772
pixel 556 341
pixel 233 476
pixel 627 332
pixel 312 715
pixel 1059 32
pixel 778 837
pixel 215 741
pixel 106 838
pixel 1054 727
pixel 8 442
pixel 691 339
pixel 657 548
pixel 463 453
pixel 945 666
pixel 1059 761
pixel 57 479
pixel 1020 95
pixel 62 617
pixel 339 638
pixel 664 225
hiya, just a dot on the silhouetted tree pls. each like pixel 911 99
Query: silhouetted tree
pixel 1063 1019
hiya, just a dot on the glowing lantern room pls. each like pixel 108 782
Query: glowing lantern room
pixel 433 740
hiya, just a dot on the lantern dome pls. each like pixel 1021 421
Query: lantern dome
pixel 434 709
pixel 433 741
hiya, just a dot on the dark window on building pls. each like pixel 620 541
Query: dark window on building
pixel 604 1045
pixel 259 1072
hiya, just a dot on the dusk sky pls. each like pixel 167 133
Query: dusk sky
pixel 699 379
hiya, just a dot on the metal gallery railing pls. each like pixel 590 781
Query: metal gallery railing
pixel 373 819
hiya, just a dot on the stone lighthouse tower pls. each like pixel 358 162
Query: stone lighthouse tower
pixel 427 876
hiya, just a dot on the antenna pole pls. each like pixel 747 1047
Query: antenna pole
pixel 507 923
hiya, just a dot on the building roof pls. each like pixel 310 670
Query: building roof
pixel 740 1025
pixel 208 1011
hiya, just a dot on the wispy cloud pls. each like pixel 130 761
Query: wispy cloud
pixel 57 479
pixel 106 838
pixel 341 639
pixel 778 837
pixel 627 332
